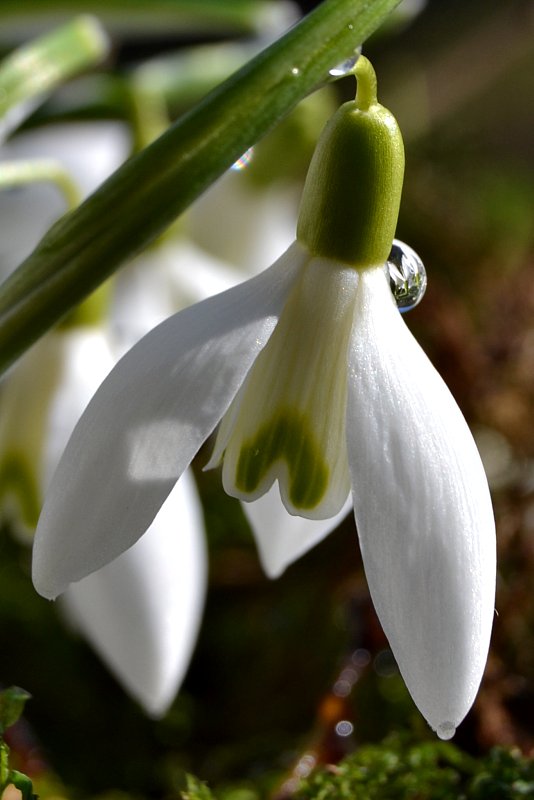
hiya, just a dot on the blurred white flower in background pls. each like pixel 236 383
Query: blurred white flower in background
pixel 144 631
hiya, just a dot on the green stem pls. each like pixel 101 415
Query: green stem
pixel 367 87
pixel 148 192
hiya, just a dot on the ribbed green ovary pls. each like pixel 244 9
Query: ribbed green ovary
pixel 351 198
pixel 286 437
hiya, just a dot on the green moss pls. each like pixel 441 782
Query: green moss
pixel 288 437
pixel 398 769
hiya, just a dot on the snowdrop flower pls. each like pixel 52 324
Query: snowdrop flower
pixel 319 386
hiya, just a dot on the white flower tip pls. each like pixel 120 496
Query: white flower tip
pixel 44 575
pixel 155 701
pixel 282 538
pixel 43 587
pixel 273 567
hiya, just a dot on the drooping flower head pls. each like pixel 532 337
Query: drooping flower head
pixel 321 389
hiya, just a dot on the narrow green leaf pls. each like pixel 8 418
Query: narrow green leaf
pixel 147 193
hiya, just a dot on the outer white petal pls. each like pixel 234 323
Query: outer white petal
pixel 281 537
pixel 142 612
pixel 146 423
pixel 423 511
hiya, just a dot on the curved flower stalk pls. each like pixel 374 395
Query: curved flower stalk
pixel 320 387
pixel 89 151
pixel 31 72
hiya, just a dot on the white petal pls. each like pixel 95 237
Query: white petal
pixel 146 423
pixel 283 538
pixel 422 510
pixel 142 612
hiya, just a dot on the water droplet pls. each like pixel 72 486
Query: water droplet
pixel 407 276
pixel 344 728
pixel 346 66
pixel 446 730
pixel 295 71
pixel 243 162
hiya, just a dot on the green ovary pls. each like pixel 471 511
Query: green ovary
pixel 287 437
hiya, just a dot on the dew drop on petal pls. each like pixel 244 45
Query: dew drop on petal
pixel 446 730
pixel 346 66
pixel 407 276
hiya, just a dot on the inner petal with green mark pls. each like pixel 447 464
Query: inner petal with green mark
pixel 287 423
